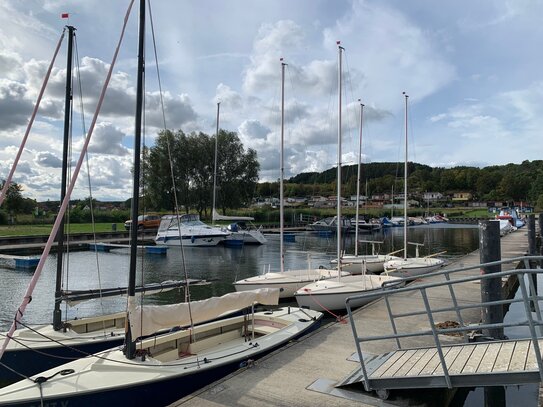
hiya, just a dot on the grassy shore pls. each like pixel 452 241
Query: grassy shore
pixel 25 230
pixel 267 216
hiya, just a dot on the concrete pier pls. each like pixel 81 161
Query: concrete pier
pixel 298 374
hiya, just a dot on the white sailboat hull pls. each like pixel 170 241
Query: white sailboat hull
pixel 364 263
pixel 287 282
pixel 172 362
pixel 412 267
pixel 331 294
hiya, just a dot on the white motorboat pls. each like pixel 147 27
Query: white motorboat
pixel 242 228
pixel 188 230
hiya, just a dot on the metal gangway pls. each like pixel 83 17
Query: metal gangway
pixel 442 362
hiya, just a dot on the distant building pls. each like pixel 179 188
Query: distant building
pixel 432 196
pixel 462 196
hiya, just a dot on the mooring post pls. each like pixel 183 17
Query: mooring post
pixel 540 224
pixel 491 288
pixel 532 249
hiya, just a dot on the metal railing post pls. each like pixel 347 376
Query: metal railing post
pixel 535 342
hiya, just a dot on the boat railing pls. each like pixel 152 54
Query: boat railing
pixel 449 282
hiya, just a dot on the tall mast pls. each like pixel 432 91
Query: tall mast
pixel 406 96
pixel 215 170
pixel 130 349
pixel 358 179
pixel 57 313
pixel 282 168
pixel 338 230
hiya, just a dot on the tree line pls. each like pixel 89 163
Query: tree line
pixel 511 182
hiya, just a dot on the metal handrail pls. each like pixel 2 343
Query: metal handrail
pixel 528 293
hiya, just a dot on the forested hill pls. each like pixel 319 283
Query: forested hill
pixel 518 182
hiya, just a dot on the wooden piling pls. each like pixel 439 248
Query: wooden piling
pixel 490 250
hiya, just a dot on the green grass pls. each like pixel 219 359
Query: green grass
pixel 22 230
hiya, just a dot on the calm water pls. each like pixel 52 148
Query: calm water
pixel 223 266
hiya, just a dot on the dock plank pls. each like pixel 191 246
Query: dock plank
pixel 450 357
pixel 409 364
pixel 531 360
pixel 520 354
pixel 387 364
pixel 458 365
pixel 475 359
pixel 504 357
pixel 433 363
pixel 489 358
pixel 422 362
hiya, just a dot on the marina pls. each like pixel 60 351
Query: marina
pixel 328 357
pixel 222 265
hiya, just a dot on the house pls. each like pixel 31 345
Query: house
pixel 462 196
pixel 432 196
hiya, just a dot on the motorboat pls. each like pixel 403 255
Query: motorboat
pixel 188 230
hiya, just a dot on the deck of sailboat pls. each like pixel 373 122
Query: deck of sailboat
pixel 305 372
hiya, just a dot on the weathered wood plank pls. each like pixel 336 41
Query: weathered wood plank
pixel 408 365
pixel 391 371
pixel 389 362
pixel 489 358
pixel 461 359
pixel 504 357
pixel 433 363
pixel 518 359
pixel 475 359
pixel 422 362
pixel 450 357
pixel 531 360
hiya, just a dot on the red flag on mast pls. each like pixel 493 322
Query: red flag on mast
pixel 64 15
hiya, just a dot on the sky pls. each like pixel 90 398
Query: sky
pixel 472 71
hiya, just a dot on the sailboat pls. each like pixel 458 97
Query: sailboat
pixel 287 281
pixel 159 369
pixel 35 348
pixel 241 228
pixel 369 263
pixel 410 267
pixel 331 294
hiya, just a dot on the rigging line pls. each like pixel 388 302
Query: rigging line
pixel 168 144
pixel 7 182
pixel 83 125
pixel 34 280
pixel 350 116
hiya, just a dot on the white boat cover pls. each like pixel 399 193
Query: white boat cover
pixel 149 319
pixel 217 216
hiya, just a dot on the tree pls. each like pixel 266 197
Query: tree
pixel 193 162
pixel 14 198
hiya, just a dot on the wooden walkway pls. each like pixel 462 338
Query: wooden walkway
pixel 304 372
pixel 485 363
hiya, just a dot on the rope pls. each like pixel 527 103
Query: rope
pixel 30 123
pixel 176 201
pixel 66 200
pixel 339 318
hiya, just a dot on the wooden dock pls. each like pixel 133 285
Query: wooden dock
pixel 305 373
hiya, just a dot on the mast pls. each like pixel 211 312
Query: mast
pixel 340 50
pixel 406 96
pixel 215 170
pixel 130 348
pixel 358 180
pixel 282 169
pixel 57 313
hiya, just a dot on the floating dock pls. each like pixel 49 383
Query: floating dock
pixel 305 372
pixel 107 247
pixel 19 262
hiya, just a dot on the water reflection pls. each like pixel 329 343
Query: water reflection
pixel 221 265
